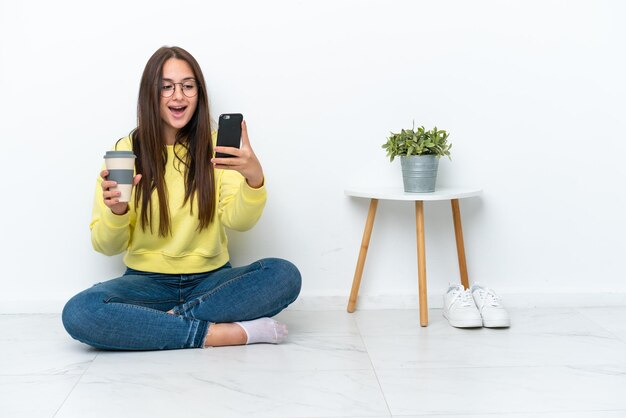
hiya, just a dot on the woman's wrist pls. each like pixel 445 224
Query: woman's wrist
pixel 123 212
pixel 256 183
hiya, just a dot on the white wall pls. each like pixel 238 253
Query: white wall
pixel 531 91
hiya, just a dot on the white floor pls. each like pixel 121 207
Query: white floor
pixel 552 363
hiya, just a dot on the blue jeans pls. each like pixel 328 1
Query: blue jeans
pixel 129 313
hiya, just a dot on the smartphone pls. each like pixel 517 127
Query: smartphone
pixel 229 132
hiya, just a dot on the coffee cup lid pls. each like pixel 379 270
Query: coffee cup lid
pixel 120 154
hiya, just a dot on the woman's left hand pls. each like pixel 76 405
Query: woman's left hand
pixel 243 160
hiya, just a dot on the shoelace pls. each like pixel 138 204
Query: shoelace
pixel 489 297
pixel 464 297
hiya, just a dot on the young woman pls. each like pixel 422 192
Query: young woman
pixel 179 289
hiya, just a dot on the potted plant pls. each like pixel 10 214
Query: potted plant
pixel 419 152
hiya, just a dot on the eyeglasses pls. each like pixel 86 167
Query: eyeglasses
pixel 189 88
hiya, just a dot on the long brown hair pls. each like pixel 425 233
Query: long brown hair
pixel 151 150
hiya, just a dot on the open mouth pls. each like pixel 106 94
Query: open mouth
pixel 177 111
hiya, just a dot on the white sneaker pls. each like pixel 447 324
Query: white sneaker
pixel 459 308
pixel 488 303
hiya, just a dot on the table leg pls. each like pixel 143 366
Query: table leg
pixel 365 242
pixel 421 262
pixel 460 247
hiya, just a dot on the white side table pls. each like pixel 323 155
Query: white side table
pixel 397 193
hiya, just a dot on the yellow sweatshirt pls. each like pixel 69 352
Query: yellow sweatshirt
pixel 186 251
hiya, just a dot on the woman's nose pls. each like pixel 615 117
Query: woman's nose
pixel 178 91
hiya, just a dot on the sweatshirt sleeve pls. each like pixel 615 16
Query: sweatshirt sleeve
pixel 240 206
pixel 110 233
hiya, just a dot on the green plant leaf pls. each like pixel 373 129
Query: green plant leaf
pixel 417 142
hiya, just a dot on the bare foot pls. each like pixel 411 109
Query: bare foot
pixel 225 334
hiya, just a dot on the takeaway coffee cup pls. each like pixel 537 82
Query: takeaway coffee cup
pixel 121 167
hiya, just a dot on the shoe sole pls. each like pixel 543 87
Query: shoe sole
pixel 497 324
pixel 476 323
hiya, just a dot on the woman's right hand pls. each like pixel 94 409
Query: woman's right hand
pixel 111 198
